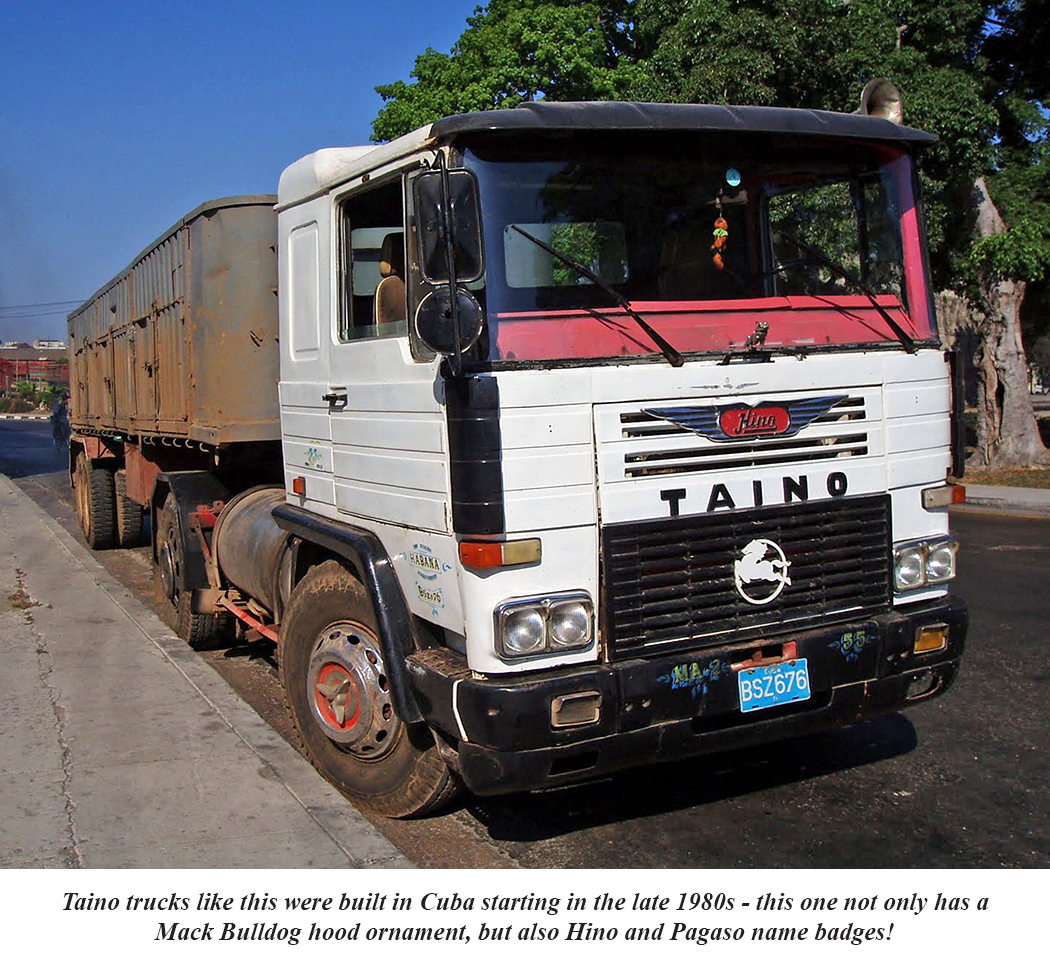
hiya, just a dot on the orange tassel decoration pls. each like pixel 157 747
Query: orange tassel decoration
pixel 721 234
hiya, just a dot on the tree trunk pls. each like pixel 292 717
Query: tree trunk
pixel 1007 431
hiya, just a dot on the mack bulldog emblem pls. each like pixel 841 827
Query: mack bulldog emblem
pixel 740 421
pixel 761 571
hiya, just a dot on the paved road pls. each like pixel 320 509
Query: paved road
pixel 963 781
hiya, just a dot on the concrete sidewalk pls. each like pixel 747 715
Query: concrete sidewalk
pixel 122 748
pixel 1009 499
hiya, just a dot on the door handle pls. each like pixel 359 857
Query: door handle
pixel 336 398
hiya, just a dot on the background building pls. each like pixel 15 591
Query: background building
pixel 42 366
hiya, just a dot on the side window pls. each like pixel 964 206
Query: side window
pixel 372 263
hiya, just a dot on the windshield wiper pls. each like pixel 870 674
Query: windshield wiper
pixel 668 351
pixel 820 257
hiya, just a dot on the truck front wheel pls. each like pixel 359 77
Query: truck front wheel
pixel 338 695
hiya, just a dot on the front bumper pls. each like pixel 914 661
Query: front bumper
pixel 675 706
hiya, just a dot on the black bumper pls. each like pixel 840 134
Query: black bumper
pixel 674 706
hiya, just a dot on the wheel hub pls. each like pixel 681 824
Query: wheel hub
pixel 167 571
pixel 349 692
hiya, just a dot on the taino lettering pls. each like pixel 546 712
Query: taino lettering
pixel 720 497
pixel 88 902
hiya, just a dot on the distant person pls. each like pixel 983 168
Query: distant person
pixel 60 422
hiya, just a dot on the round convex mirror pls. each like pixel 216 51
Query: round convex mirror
pixel 434 321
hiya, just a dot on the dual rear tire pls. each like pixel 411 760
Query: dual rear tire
pixel 94 492
pixel 107 516
pixel 197 629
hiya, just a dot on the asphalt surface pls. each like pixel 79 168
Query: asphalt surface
pixel 961 781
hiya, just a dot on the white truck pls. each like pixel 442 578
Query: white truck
pixel 609 433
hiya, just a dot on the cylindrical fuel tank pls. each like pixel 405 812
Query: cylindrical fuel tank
pixel 248 543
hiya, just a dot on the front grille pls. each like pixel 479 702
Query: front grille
pixel 839 433
pixel 670 584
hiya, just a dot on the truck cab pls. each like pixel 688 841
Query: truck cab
pixel 612 433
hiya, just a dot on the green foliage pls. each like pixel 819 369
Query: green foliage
pixel 514 51
pixel 51 394
pixel 1021 252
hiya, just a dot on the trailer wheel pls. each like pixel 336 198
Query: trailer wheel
pixel 129 513
pixel 196 629
pixel 96 503
pixel 338 696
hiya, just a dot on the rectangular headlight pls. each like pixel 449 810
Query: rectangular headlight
pixel 543 625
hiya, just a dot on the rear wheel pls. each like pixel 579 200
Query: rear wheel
pixel 96 503
pixel 338 694
pixel 129 513
pixel 196 629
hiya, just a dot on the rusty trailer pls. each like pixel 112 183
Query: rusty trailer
pixel 174 367
pixel 182 343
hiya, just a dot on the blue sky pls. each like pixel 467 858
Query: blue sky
pixel 118 118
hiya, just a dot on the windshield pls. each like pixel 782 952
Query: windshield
pixel 703 236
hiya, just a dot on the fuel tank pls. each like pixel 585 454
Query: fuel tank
pixel 250 547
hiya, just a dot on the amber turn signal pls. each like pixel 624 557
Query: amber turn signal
pixel 484 554
pixel 931 637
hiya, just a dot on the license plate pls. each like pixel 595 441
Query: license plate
pixel 770 685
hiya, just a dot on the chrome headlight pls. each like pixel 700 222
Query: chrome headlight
pixel 921 562
pixel 536 626
pixel 940 561
pixel 909 571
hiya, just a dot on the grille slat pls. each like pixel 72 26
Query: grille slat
pixel 670 583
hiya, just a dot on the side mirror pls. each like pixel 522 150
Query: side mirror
pixel 463 221
pixel 435 326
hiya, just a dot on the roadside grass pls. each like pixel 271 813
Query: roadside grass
pixel 1028 478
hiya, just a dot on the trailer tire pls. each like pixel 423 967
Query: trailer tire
pixel 129 513
pixel 332 669
pixel 96 503
pixel 196 629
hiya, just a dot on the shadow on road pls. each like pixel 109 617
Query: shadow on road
pixel 694 782
pixel 29 450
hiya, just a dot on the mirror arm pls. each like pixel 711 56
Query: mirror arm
pixel 450 258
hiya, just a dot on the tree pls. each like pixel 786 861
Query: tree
pixel 1012 256
pixel 515 51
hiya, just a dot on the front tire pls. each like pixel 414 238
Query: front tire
pixel 336 687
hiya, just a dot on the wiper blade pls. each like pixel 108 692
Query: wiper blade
pixel 669 352
pixel 906 340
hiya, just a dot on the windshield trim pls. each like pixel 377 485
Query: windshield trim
pixel 799 352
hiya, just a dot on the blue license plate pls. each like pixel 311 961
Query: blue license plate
pixel 770 685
